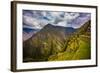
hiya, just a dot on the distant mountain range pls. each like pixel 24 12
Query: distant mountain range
pixel 53 31
pixel 50 40
pixel 49 28
pixel 28 32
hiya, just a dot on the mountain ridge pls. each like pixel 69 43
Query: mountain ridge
pixel 46 44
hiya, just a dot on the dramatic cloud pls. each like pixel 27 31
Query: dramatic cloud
pixel 38 19
pixel 79 21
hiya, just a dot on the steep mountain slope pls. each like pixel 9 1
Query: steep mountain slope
pixel 55 43
pixel 77 46
pixel 48 41
pixel 28 33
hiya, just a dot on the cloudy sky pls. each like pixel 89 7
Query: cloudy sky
pixel 38 19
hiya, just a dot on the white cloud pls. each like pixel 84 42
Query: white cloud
pixel 34 23
pixel 68 17
pixel 31 22
pixel 42 18
pixel 28 20
pixel 62 23
pixel 71 16
pixel 44 13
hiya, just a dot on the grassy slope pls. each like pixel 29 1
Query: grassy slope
pixel 81 52
pixel 55 48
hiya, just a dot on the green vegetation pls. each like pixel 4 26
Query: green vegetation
pixel 78 48
pixel 48 45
